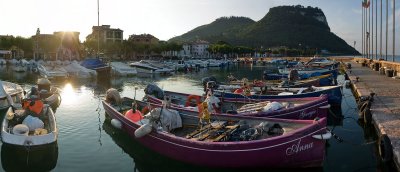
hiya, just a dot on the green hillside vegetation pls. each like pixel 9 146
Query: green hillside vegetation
pixel 293 27
pixel 220 29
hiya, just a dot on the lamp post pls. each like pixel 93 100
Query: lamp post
pixel 299 50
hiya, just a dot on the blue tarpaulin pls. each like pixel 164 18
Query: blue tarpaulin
pixel 92 63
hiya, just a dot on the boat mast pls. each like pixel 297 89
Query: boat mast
pixel 98 29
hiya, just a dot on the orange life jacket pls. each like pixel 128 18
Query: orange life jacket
pixel 35 106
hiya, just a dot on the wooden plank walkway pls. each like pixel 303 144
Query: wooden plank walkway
pixel 386 106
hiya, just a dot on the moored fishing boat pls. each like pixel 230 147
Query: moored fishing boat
pixel 226 140
pixel 122 69
pixel 10 93
pixel 52 71
pixel 46 92
pixel 283 82
pixel 144 66
pixel 102 69
pixel 33 127
pixel 289 108
pixel 334 93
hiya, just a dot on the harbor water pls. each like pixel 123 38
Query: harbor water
pixel 88 142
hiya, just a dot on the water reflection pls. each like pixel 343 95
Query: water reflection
pixel 38 158
pixel 68 94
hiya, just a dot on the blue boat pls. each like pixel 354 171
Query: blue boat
pixel 93 63
pixel 96 64
pixel 322 82
pixel 334 94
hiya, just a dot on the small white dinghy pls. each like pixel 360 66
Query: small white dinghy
pixel 25 129
pixel 10 93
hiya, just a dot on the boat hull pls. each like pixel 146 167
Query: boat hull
pixel 30 140
pixel 294 150
pixel 334 95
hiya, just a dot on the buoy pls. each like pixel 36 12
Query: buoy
pixel 21 130
pixel 116 123
pixel 385 148
pixel 143 130
pixel 134 116
pixel 192 97
pixel 367 116
pixel 238 91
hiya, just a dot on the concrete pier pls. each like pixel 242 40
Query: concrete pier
pixel 385 108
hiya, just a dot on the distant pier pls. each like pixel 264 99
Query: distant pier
pixel 369 76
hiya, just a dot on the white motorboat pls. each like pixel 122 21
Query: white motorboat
pixel 24 62
pixel 74 69
pixel 20 68
pixel 149 68
pixel 320 61
pixel 3 62
pixel 52 71
pixel 31 131
pixel 200 63
pixel 122 69
pixel 10 94
pixel 13 61
pixel 215 63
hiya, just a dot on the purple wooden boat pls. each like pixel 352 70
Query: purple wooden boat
pixel 300 143
pixel 296 108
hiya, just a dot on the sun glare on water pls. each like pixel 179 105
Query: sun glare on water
pixel 68 94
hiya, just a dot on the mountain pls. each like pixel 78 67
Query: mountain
pixel 220 29
pixel 290 26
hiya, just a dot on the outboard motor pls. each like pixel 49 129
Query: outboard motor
pixel 43 84
pixel 154 90
pixel 211 85
pixel 205 80
pixel 113 97
pixel 44 88
pixel 293 75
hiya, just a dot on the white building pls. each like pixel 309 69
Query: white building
pixel 195 49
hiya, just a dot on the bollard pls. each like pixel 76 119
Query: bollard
pixel 382 71
pixel 377 66
pixel 389 72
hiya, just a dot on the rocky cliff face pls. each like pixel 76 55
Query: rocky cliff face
pixel 290 26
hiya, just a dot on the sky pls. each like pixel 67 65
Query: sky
pixel 165 18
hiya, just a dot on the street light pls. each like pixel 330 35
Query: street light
pixel 299 49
